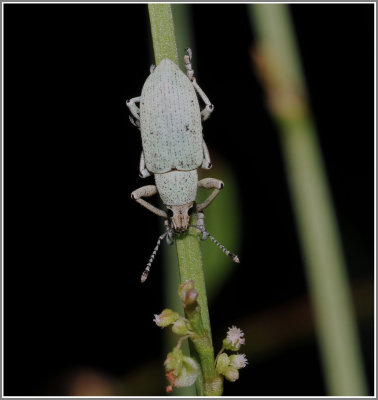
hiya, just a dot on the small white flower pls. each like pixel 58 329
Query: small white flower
pixel 235 336
pixel 238 361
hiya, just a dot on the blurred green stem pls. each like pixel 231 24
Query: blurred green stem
pixel 188 247
pixel 278 65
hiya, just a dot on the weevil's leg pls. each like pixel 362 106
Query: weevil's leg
pixel 201 225
pixel 143 171
pixel 206 163
pixel 133 107
pixel 209 108
pixel 169 238
pixel 188 65
pixel 209 183
pixel 152 68
pixel 190 53
pixel 147 191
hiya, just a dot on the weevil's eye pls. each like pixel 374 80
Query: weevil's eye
pixel 190 211
pixel 170 213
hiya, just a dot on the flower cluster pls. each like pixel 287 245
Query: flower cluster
pixel 182 370
pixel 229 366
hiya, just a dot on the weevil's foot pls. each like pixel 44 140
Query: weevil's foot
pixel 144 173
pixel 169 238
pixel 206 112
pixel 189 51
pixel 134 122
pixel 188 65
pixel 206 165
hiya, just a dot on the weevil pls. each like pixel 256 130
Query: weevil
pixel 170 120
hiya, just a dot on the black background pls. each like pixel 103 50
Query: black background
pixel 75 243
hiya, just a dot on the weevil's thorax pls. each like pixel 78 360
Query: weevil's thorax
pixel 177 187
pixel 178 191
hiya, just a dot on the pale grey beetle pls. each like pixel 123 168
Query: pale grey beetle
pixel 170 121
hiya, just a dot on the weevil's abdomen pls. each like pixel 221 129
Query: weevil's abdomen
pixel 170 121
pixel 177 187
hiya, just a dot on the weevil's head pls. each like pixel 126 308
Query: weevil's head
pixel 179 216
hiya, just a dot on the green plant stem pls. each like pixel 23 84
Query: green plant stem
pixel 182 24
pixel 279 67
pixel 190 265
pixel 163 32
pixel 212 381
pixel 188 247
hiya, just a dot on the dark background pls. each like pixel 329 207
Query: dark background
pixel 75 243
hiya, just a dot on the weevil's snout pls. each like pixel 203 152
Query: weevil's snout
pixel 179 216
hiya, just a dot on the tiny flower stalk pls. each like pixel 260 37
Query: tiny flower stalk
pixel 184 371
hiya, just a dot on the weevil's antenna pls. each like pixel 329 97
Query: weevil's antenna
pixel 233 257
pixel 148 267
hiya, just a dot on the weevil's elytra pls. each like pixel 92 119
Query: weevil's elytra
pixel 170 121
pixel 169 106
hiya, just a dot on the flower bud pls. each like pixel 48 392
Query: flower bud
pixel 188 374
pixel 180 327
pixel 187 285
pixel 181 370
pixel 174 360
pixel 223 362
pixel 167 317
pixel 231 374
pixel 188 294
pixel 191 297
